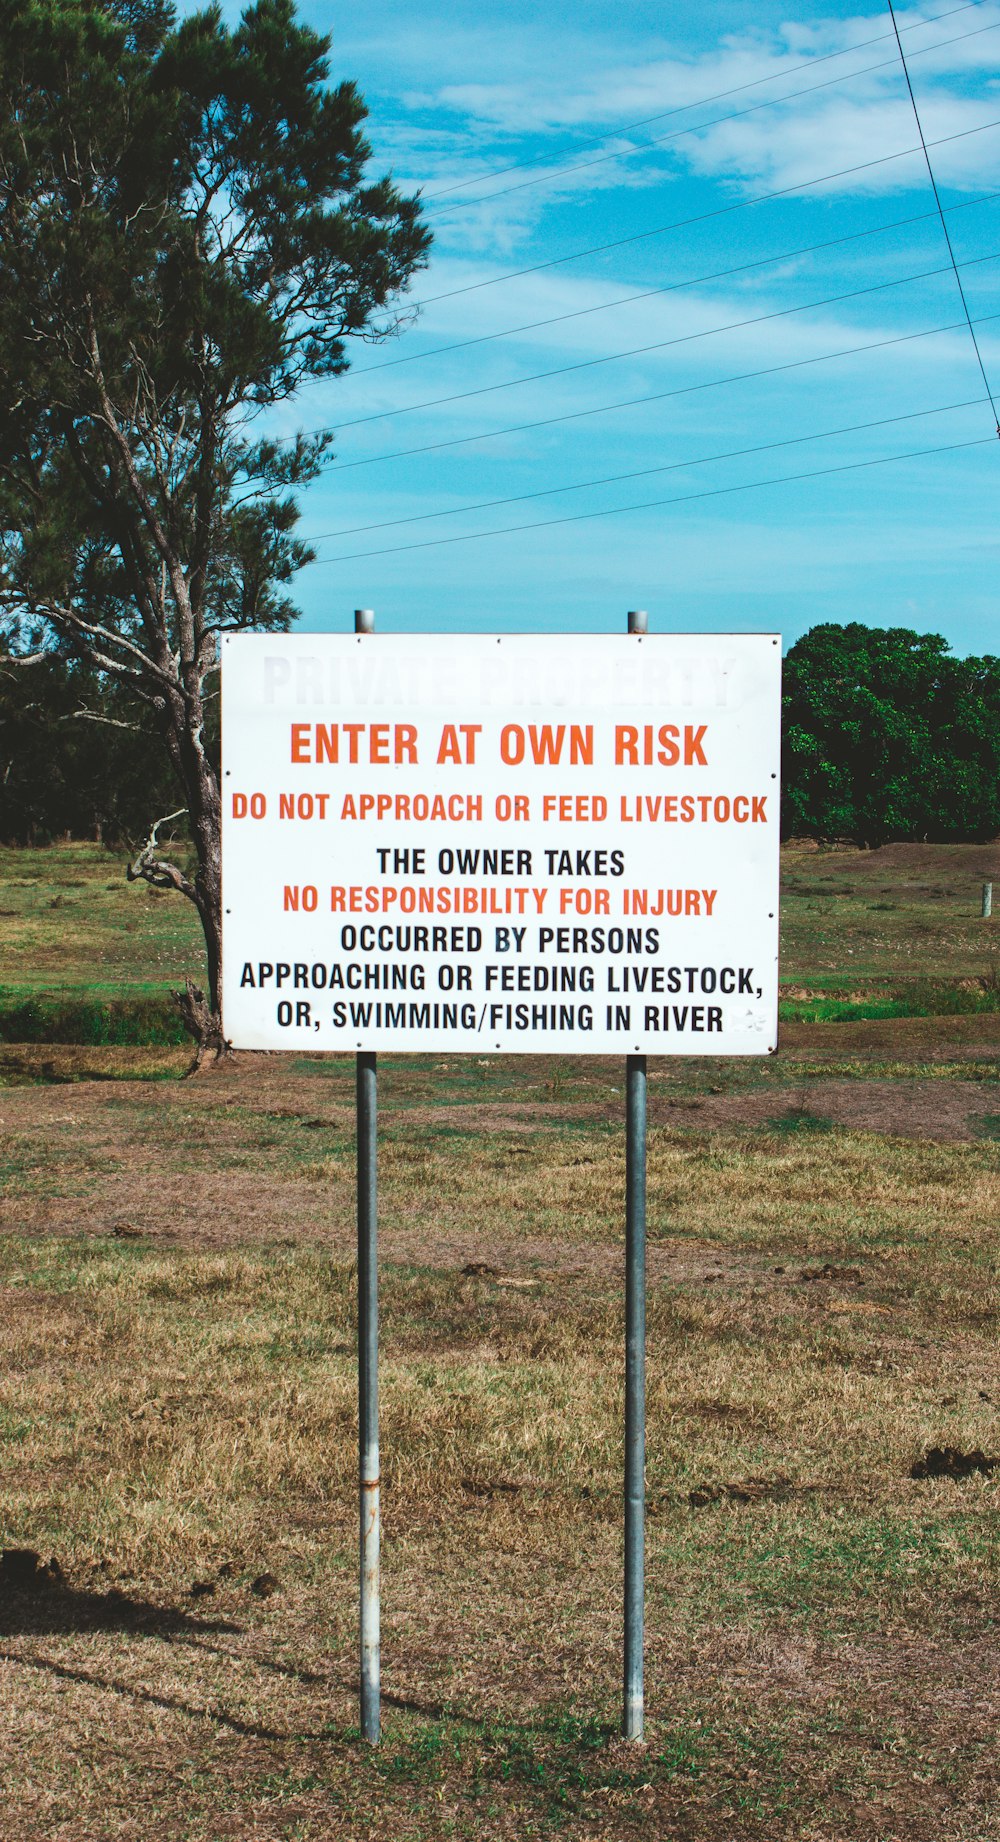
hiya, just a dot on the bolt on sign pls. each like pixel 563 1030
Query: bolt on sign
pixel 471 843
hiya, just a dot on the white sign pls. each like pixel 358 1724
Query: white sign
pixel 562 844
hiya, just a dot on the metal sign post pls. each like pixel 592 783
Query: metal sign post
pixel 368 1464
pixel 635 1371
pixel 635 1391
pixel 369 1508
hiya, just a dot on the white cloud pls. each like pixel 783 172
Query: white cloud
pixel 461 128
pixel 802 144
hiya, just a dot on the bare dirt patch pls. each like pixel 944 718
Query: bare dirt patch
pixel 256 1155
pixel 938 1110
pixel 894 1039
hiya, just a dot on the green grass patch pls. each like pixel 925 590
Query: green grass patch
pixel 916 998
pixel 799 1119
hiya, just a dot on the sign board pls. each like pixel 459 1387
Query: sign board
pixel 471 844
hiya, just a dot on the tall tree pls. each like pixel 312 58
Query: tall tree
pixel 186 237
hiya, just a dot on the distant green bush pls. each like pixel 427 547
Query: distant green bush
pixel 98 1023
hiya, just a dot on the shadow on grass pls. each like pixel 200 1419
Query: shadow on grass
pixel 134 1691
pixel 58 1610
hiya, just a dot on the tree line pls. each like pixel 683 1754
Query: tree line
pixel 886 735
pixel 78 758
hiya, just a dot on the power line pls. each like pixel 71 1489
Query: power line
pixel 659 345
pixel 694 281
pixel 643 473
pixel 646 472
pixel 640 236
pixel 656 396
pixel 659 230
pixel 702 102
pixel 944 226
pixel 716 121
pixel 645 505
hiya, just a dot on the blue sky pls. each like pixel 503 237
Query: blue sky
pixel 510 97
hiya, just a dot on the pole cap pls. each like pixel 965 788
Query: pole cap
pixel 364 620
pixel 638 620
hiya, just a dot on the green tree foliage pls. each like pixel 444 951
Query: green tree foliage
pixel 886 735
pixel 187 237
pixel 76 758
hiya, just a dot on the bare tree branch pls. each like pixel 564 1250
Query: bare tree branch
pixel 112 722
pixel 147 867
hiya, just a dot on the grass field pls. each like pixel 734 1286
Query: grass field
pixel 177 1402
pixel 71 924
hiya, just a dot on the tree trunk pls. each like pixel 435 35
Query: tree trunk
pixel 205 814
pixel 202 1014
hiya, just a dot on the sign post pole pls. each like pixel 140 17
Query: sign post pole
pixel 635 1391
pixel 635 1370
pixel 369 1512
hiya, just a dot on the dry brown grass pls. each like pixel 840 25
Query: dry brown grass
pixel 821 1627
pixel 905 911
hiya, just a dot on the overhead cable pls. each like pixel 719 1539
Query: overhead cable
pixel 656 396
pixel 643 473
pixel 701 217
pixel 702 102
pixel 716 121
pixel 658 345
pixel 614 511
pixel 944 226
pixel 671 287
